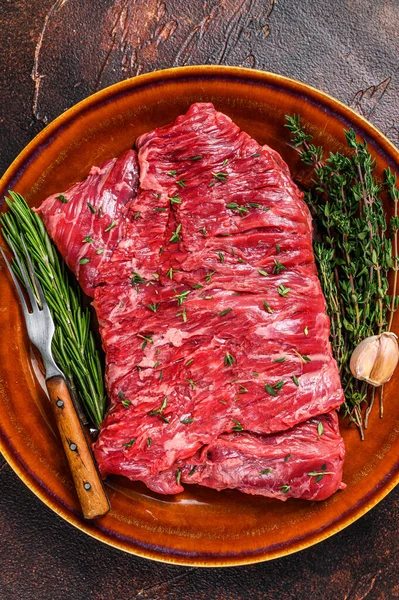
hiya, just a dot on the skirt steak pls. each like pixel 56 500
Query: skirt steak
pixel 198 253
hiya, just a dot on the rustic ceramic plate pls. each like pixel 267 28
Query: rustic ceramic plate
pixel 201 526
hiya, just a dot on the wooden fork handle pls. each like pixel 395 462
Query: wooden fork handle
pixel 89 487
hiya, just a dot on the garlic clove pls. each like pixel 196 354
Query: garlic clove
pixel 364 357
pixel 383 369
pixel 375 358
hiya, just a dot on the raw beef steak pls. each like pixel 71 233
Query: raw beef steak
pixel 87 221
pixel 211 314
pixel 291 464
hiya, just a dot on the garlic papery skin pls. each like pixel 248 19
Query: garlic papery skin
pixel 375 358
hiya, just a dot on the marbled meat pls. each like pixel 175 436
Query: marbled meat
pixel 219 370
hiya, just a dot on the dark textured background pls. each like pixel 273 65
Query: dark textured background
pixel 54 53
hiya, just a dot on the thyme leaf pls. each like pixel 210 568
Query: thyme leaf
pixel 229 359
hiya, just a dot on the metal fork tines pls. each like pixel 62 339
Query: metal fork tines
pixel 39 322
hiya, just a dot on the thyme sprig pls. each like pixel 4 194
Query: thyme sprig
pixel 73 346
pixel 357 253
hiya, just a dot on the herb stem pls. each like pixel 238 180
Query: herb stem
pixel 394 194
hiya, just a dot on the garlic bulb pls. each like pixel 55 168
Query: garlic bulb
pixel 375 358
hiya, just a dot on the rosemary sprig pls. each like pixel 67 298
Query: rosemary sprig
pixel 73 345
pixel 356 255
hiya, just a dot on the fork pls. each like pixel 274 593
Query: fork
pixel 39 323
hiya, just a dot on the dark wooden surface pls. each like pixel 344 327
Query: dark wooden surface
pixel 54 53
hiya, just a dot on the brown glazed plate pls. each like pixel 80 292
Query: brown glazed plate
pixel 199 527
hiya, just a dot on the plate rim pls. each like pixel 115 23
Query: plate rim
pixel 11 175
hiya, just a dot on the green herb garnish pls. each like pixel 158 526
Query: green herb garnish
pixel 282 290
pixel 73 345
pixel 62 198
pixel 178 476
pixel 303 357
pixel 111 226
pixel 229 359
pixel 159 411
pixel 208 277
pixel 181 297
pixel 191 382
pixel 320 474
pixel 129 443
pixel 278 267
pixel 270 390
pixel 267 307
pixel 124 401
pixel 153 307
pixel 147 339
pixel 242 210
pixel 176 234
pixel 137 278
pixel 237 426
pixel 275 388
pixel 221 176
